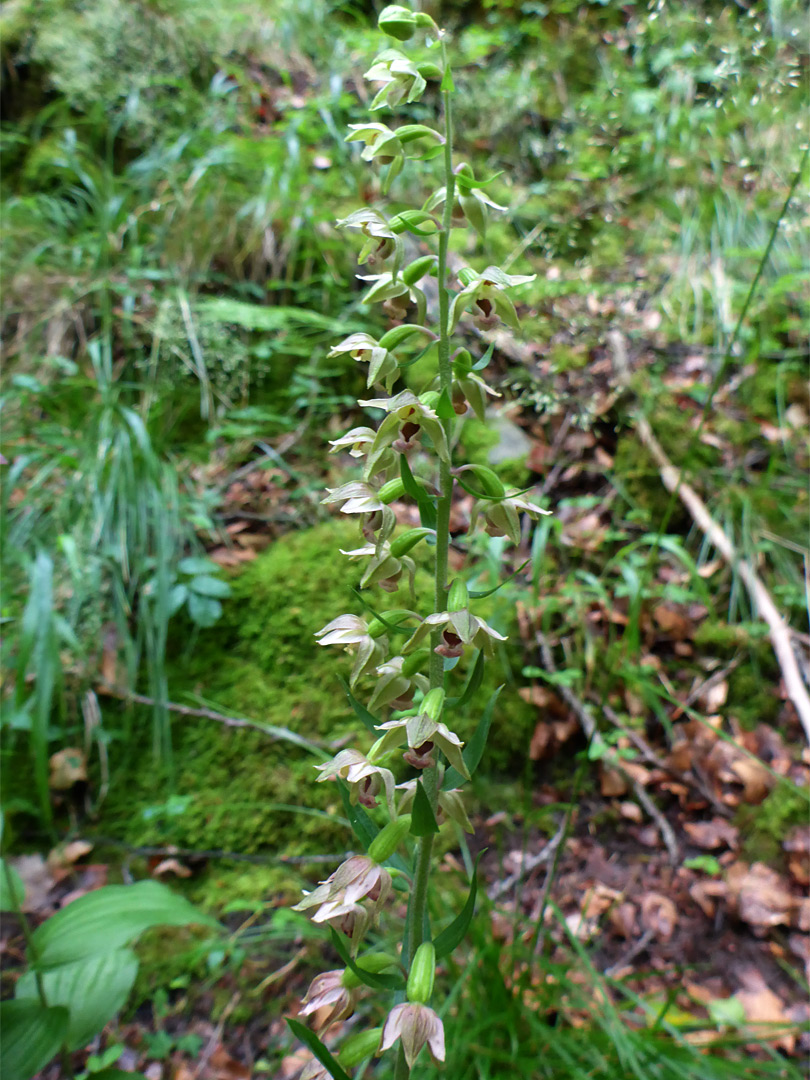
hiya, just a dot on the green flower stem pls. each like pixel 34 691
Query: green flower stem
pixel 445 379
pixel 417 905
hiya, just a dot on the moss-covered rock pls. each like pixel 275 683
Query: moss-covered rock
pixel 236 788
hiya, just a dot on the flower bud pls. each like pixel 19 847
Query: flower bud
pixel 434 703
pixel 417 269
pixel 388 839
pixel 430 398
pixel 421 975
pixel 398 22
pixel 399 334
pixel 394 489
pixel 358 1047
pixel 459 599
pixel 403 544
pixel 490 483
pixel 373 963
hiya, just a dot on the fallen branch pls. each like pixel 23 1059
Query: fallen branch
pixel 527 864
pixel 760 597
pixel 583 714
pixel 272 730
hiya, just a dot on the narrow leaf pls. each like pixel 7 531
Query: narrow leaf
pixel 361 712
pixel 453 935
pixel 32 1035
pixel 500 585
pixel 423 820
pixel 427 508
pixel 473 682
pixel 474 750
pixel 12 888
pixel 362 826
pixel 311 1040
pixel 370 978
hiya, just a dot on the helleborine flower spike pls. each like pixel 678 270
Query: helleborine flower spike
pixel 403 780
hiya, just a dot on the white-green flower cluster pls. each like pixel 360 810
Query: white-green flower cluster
pixel 399 779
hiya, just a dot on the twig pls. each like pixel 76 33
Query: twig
pixel 760 597
pixel 527 864
pixel 635 950
pixel 194 853
pixel 272 730
pixel 583 714
pixel 216 1035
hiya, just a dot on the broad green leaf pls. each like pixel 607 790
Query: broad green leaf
pixel 31 1036
pixel 423 820
pixel 311 1040
pixel 474 750
pixel 109 918
pixel 204 610
pixel 93 990
pixel 370 978
pixel 210 586
pixel 453 935
pixel 197 565
pixel 12 893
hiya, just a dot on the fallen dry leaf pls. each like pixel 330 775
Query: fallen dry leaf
pixel 659 914
pixel 68 767
pixel 38 881
pixel 764 1010
pixel 224 1067
pixel 705 892
pixel 171 866
pixel 611 782
pixel 713 834
pixel 761 896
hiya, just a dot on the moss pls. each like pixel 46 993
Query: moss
pixel 240 790
pixel 764 827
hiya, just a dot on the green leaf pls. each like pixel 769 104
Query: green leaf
pixel 453 935
pixel 210 586
pixel 379 981
pixel 444 408
pixel 427 508
pixel 117 1074
pixel 474 750
pixel 32 1035
pixel 204 610
pixel 311 1040
pixel 197 565
pixel 12 894
pixel 93 990
pixel 361 712
pixel 447 85
pixel 423 820
pixel 109 918
pixel 473 682
pixel 489 592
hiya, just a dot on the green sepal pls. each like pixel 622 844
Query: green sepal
pixel 313 1043
pixel 423 820
pixel 474 750
pixel 474 680
pixel 479 365
pixel 428 70
pixel 453 935
pixel 360 711
pixel 365 975
pixel 480 594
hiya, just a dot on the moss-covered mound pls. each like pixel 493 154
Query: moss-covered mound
pixel 237 789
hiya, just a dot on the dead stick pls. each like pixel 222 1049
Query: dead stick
pixel 583 714
pixel 760 597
